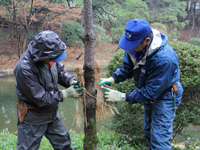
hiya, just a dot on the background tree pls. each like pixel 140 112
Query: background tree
pixel 35 16
pixel 193 10
pixel 169 13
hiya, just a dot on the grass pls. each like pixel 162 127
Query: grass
pixel 107 141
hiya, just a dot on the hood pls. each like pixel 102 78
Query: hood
pixel 158 40
pixel 46 45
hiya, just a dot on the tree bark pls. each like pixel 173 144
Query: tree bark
pixel 90 140
pixel 18 42
pixel 193 24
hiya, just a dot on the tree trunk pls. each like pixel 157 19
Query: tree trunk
pixel 90 140
pixel 25 41
pixel 18 42
pixel 193 24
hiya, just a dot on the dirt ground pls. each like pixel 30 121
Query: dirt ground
pixel 102 53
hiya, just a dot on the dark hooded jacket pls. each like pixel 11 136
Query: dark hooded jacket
pixel 36 82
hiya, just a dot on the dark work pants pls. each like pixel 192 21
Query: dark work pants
pixel 29 136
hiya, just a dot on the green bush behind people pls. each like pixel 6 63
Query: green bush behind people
pixel 195 41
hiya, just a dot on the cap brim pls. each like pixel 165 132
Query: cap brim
pixel 59 58
pixel 126 44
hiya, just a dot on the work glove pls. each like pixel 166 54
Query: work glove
pixel 73 92
pixel 113 95
pixel 73 82
pixel 108 81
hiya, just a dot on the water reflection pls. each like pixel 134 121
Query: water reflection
pixel 8 101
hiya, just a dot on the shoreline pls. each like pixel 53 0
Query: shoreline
pixel 11 73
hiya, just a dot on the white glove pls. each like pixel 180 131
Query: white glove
pixel 72 92
pixel 73 82
pixel 108 81
pixel 113 95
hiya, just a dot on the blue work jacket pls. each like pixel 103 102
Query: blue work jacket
pixel 154 74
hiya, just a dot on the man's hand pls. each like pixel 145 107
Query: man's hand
pixel 108 81
pixel 73 92
pixel 73 82
pixel 112 95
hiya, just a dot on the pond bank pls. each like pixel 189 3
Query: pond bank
pixel 11 73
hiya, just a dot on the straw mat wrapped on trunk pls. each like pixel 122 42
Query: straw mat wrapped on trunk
pixel 104 109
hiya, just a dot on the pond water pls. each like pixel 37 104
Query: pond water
pixel 67 112
pixel 8 101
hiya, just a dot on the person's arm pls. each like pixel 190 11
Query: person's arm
pixel 64 78
pixel 125 71
pixel 122 73
pixel 160 75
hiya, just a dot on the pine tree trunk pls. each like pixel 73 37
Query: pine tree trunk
pixel 90 140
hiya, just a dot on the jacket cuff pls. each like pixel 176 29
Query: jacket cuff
pixel 127 100
pixel 62 97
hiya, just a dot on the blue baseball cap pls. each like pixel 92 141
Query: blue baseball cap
pixel 59 58
pixel 135 31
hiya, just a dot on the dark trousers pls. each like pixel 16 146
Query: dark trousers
pixel 29 136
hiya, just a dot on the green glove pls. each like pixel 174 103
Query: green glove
pixel 113 95
pixel 108 81
pixel 73 92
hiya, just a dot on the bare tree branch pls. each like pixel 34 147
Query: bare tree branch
pixel 38 11
pixel 68 2
pixel 97 10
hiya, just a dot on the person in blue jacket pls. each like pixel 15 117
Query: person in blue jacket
pixel 154 66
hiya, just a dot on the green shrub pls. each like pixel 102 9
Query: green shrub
pixel 174 34
pixel 101 34
pixel 195 41
pixel 189 63
pixel 159 25
pixel 70 34
pixel 117 33
pixel 4 53
pixel 187 112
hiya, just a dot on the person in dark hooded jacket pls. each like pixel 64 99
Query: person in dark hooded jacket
pixel 37 74
pixel 154 66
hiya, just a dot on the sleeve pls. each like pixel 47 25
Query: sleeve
pixel 30 86
pixel 125 71
pixel 160 75
pixel 64 78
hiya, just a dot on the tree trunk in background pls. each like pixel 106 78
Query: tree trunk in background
pixel 18 40
pixel 193 24
pixel 25 41
pixel 90 140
